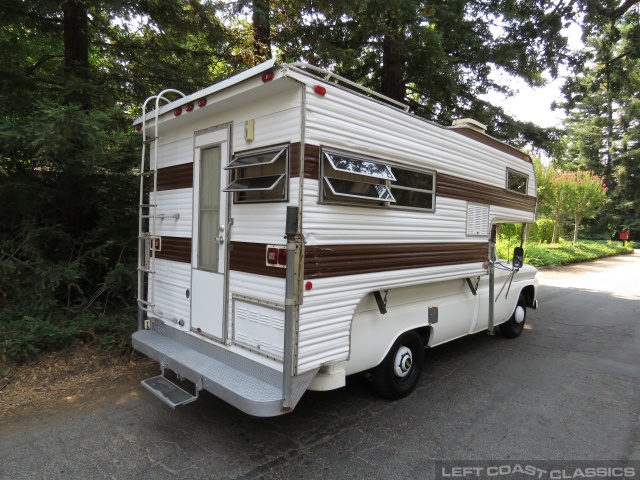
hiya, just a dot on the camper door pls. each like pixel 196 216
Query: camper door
pixel 209 234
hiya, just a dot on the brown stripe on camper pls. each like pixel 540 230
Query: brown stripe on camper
pixel 174 177
pixel 492 142
pixel 458 188
pixel 252 258
pixel 311 160
pixel 338 260
pixel 177 249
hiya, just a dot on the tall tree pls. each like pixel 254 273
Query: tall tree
pixel 603 126
pixel 437 56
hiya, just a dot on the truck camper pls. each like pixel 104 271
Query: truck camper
pixel 296 228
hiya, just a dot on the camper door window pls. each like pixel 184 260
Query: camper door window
pixel 259 176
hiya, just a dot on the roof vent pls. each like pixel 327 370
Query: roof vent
pixel 470 123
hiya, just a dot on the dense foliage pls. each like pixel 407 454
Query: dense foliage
pixel 74 73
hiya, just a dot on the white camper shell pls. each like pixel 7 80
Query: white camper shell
pixel 299 229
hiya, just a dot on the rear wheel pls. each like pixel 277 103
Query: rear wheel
pixel 513 327
pixel 399 372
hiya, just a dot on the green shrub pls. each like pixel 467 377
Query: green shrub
pixel 541 231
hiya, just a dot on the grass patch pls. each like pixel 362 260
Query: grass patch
pixel 563 253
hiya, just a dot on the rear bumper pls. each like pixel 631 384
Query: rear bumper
pixel 247 385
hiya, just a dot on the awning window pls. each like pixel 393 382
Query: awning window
pixel 255 184
pixel 344 163
pixel 265 158
pixel 367 191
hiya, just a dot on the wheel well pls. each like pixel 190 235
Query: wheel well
pixel 425 334
pixel 529 294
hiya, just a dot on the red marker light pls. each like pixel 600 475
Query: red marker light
pixel 267 77
pixel 308 286
pixel 320 90
pixel 138 127
pixel 177 112
pixel 189 107
pixel 202 102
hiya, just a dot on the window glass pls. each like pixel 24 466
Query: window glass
pixel 413 198
pixel 517 182
pixel 348 188
pixel 209 208
pixel 265 158
pixel 413 189
pixel 343 163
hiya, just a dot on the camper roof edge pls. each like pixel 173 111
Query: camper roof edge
pixel 459 125
pixel 216 87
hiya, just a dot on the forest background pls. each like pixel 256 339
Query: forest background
pixel 73 74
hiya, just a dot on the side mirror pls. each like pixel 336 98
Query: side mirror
pixel 518 257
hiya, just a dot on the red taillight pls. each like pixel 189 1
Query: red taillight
pixel 272 256
pixel 320 90
pixel 177 112
pixel 138 127
pixel 276 256
pixel 267 77
pixel 282 257
pixel 189 107
pixel 202 102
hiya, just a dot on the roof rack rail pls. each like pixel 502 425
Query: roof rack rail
pixel 327 76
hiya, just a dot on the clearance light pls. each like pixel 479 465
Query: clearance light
pixel 189 107
pixel 320 90
pixel 267 77
pixel 138 127
pixel 308 286
pixel 202 102
pixel 177 112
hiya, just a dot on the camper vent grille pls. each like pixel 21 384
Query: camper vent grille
pixel 477 220
pixel 259 328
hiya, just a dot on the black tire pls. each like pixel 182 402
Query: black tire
pixel 399 372
pixel 512 328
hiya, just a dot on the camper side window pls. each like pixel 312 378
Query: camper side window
pixel 356 181
pixel 517 182
pixel 259 176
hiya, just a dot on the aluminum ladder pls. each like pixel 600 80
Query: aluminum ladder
pixel 147 215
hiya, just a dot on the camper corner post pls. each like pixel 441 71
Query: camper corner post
pixel 291 231
pixel 492 269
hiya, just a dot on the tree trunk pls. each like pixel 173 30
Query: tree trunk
pixel 575 230
pixel 393 59
pixel 76 38
pixel 555 226
pixel 76 52
pixel 261 31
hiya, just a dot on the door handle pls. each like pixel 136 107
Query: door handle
pixel 220 240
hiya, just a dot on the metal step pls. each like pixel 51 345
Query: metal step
pixel 248 385
pixel 167 391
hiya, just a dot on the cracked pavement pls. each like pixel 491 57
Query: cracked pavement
pixel 567 389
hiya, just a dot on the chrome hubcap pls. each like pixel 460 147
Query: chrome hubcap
pixel 403 362
pixel 519 314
